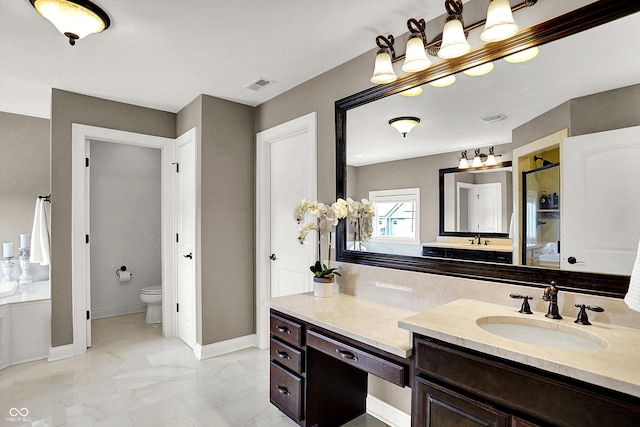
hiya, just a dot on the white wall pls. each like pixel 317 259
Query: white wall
pixel 125 225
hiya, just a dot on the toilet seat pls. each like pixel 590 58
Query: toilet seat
pixel 151 290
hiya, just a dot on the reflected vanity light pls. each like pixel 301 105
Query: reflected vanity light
pixel 480 70
pixel 479 159
pixel 523 55
pixel 404 124
pixel 414 91
pixel 500 24
pixel 444 81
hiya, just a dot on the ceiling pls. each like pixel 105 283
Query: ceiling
pixel 593 61
pixel 162 54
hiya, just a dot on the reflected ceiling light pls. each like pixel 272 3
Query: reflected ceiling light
pixel 75 19
pixel 479 70
pixel 454 41
pixel 500 24
pixel 479 159
pixel 383 70
pixel 404 124
pixel 414 91
pixel 523 55
pixel 444 81
pixel 415 58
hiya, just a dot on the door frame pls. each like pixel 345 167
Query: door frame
pixel 80 251
pixel 306 124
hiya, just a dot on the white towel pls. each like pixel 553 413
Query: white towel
pixel 632 299
pixel 40 235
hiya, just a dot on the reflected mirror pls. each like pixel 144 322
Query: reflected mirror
pixel 507 109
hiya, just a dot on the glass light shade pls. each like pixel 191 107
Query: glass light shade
pixel 404 124
pixel 500 24
pixel 71 18
pixel 444 82
pixel 454 43
pixel 491 160
pixel 477 161
pixel 415 57
pixel 383 70
pixel 464 164
pixel 479 70
pixel 414 91
pixel 523 55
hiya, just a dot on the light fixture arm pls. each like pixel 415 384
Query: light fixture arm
pixel 417 27
pixel 386 43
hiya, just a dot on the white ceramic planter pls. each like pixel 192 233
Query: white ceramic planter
pixel 322 288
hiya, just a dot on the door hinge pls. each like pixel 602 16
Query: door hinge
pixel 86 162
pixel 177 307
pixel 88 315
pixel 86 238
pixel 177 166
pixel 177 238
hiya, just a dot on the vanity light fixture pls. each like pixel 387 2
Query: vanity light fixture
pixel 75 19
pixel 479 70
pixel 415 58
pixel 444 81
pixel 479 159
pixel 383 70
pixel 500 24
pixel 404 124
pixel 454 40
pixel 523 55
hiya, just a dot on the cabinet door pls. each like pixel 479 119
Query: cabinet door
pixel 436 406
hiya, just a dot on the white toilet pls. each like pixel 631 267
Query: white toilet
pixel 152 296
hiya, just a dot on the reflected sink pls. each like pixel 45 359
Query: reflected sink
pixel 8 288
pixel 551 334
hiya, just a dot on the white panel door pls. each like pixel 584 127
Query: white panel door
pixel 185 255
pixel 487 208
pixel 600 206
pixel 290 261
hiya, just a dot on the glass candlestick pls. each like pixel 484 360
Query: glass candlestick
pixel 7 268
pixel 25 264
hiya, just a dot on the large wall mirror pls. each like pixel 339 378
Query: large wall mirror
pixel 583 53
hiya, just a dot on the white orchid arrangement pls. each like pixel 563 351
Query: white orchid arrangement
pixel 325 219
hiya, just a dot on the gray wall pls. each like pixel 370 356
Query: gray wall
pixel 24 175
pixel 68 108
pixel 125 225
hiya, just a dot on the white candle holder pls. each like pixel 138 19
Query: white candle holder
pixel 25 264
pixel 7 268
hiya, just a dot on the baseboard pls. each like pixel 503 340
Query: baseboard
pixel 224 347
pixel 386 413
pixel 102 313
pixel 60 352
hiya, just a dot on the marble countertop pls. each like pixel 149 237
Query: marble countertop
pixel 369 322
pixel 469 246
pixel 616 367
pixel 33 292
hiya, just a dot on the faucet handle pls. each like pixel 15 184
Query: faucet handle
pixel 525 309
pixel 583 319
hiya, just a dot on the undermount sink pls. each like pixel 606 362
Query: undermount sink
pixel 552 334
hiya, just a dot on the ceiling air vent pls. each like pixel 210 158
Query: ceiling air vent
pixel 493 119
pixel 258 84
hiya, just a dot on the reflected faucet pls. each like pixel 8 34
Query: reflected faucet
pixel 551 295
pixel 477 236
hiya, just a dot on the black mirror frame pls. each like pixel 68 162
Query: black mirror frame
pixel 589 16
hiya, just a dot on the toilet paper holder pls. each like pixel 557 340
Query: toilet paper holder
pixel 123 268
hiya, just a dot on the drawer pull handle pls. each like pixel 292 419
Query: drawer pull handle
pixel 282 390
pixel 283 329
pixel 347 355
pixel 283 355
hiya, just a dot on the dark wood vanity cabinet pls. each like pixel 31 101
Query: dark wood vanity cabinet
pixel 318 377
pixel 467 254
pixel 454 386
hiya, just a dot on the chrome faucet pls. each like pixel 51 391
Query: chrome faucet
pixel 477 236
pixel 551 295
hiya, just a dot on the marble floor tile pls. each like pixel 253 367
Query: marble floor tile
pixel 132 376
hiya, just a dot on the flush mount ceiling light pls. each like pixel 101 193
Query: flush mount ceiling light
pixel 383 70
pixel 404 124
pixel 523 55
pixel 451 43
pixel 479 70
pixel 75 19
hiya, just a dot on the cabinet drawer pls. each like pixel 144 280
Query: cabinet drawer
pixel 285 391
pixel 286 330
pixel 286 355
pixel 368 362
